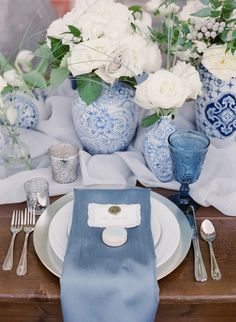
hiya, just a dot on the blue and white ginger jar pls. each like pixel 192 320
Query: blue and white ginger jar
pixel 156 148
pixel 216 108
pixel 30 107
pixel 109 123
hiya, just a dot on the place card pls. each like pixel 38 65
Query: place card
pixel 107 215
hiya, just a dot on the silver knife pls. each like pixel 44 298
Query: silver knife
pixel 199 267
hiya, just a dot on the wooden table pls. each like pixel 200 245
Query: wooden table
pixel 35 297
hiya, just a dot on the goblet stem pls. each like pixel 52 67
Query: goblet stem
pixel 184 194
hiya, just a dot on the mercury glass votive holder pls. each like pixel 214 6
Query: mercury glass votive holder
pixel 64 161
pixel 37 194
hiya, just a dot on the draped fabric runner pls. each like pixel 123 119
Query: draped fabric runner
pixel 216 185
pixel 102 283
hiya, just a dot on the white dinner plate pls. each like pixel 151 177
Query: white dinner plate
pixel 162 220
pixel 55 265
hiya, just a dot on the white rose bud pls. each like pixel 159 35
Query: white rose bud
pixel 12 78
pixel 3 84
pixel 11 114
pixel 24 59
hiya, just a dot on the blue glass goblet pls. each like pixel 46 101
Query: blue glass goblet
pixel 188 151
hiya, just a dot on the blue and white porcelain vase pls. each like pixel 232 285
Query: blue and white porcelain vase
pixel 30 107
pixel 156 149
pixel 109 123
pixel 216 108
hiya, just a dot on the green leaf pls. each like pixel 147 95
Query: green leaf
pixel 75 31
pixel 7 90
pixel 206 2
pixel 5 65
pixel 128 80
pixel 58 76
pixel 135 8
pixel 223 35
pixel 215 13
pixel 35 79
pixel 150 120
pixel 215 3
pixel 205 12
pixel 89 87
pixel 58 49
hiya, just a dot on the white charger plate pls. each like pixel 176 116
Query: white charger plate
pixel 55 265
pixel 162 221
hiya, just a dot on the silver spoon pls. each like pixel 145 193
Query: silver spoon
pixel 208 233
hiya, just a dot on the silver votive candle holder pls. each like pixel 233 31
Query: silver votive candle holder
pixel 37 194
pixel 64 161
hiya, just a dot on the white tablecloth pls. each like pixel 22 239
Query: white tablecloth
pixel 216 185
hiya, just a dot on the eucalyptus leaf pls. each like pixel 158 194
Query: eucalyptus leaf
pixel 215 13
pixel 205 12
pixel 215 4
pixel 206 2
pixel 6 90
pixel 35 79
pixel 58 76
pixel 89 87
pixel 150 120
pixel 5 65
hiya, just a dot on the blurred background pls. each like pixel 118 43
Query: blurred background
pixel 23 23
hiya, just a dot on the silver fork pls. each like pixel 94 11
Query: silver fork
pixel 29 224
pixel 16 227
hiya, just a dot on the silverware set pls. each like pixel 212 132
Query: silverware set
pixel 208 234
pixel 21 220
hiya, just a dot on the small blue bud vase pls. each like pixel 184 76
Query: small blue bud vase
pixel 216 108
pixel 108 124
pixel 156 149
pixel 30 106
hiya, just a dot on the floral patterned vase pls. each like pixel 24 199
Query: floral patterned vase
pixel 109 123
pixel 156 149
pixel 216 108
pixel 30 107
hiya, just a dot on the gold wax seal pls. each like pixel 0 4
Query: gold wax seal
pixel 114 210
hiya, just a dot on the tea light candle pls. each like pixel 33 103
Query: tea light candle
pixel 114 236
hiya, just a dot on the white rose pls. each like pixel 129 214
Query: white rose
pixel 221 64
pixel 13 79
pixel 56 29
pixel 165 10
pixel 24 59
pixel 3 84
pixel 191 7
pixel 131 58
pixel 89 55
pixel 190 78
pixel 11 115
pixel 163 90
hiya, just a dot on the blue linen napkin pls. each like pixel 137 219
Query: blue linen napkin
pixel 109 284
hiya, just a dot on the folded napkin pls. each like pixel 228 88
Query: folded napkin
pixel 101 283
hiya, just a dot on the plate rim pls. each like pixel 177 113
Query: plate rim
pixel 45 255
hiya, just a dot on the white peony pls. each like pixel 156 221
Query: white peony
pixel 190 78
pixel 24 59
pixel 153 57
pixel 3 84
pixel 163 90
pixel 165 10
pixel 13 79
pixel 221 64
pixel 11 114
pixel 90 55
pixel 191 7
